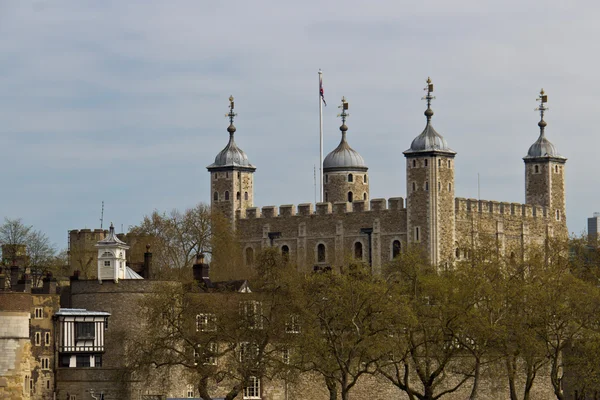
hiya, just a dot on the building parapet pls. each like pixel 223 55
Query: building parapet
pixel 325 208
pixel 501 208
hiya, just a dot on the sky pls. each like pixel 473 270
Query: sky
pixel 125 101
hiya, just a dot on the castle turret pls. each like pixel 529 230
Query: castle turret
pixel 430 191
pixel 346 177
pixel 111 257
pixel 544 171
pixel 231 177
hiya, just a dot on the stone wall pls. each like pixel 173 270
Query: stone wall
pixel 42 345
pixel 336 226
pixel 15 348
pixel 336 186
pixel 235 191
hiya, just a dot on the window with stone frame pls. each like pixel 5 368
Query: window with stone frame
pixel 251 311
pixel 365 178
pixel 350 197
pixel 39 312
pixel 226 195
pixel 252 388
pixel 45 363
pixel 285 252
pixel 216 196
pixel 396 247
pixel 293 324
pixel 358 250
pixel 350 178
pixel 206 322
pixel 285 355
pixel 248 353
pixel 245 195
pixel 417 234
pixel 321 253
pixel 190 391
pixel 38 338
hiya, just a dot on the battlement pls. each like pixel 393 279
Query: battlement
pixel 86 231
pixel 326 208
pixel 496 207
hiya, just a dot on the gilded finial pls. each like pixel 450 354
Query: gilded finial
pixel 231 115
pixel 343 114
pixel 543 99
pixel 429 89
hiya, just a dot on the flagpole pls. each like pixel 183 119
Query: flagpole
pixel 320 139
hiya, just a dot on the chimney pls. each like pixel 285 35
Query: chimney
pixel 148 273
pixel 23 285
pixel 49 284
pixel 14 277
pixel 201 270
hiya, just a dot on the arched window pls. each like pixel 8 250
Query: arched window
pixel 556 169
pixel 285 253
pixel 249 256
pixel 365 196
pixel 226 195
pixel 350 178
pixel 350 197
pixel 558 215
pixel 216 196
pixel 238 196
pixel 457 253
pixel 245 195
pixel 365 178
pixel 321 255
pixel 358 251
pixel 396 247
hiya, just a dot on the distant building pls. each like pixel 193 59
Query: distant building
pixel 593 228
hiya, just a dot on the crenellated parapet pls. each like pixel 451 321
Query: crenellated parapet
pixel 325 208
pixel 463 206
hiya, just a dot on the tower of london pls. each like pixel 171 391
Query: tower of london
pixel 350 223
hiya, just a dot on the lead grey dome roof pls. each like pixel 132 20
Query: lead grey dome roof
pixel 344 157
pixel 542 147
pixel 231 155
pixel 429 140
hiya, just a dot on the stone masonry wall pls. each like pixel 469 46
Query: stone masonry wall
pixel 15 355
pixel 336 186
pixel 238 185
pixel 42 345
pixel 418 202
pixel 337 226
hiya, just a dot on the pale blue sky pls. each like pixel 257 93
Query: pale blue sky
pixel 124 101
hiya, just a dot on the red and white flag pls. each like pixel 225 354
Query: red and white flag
pixel 321 89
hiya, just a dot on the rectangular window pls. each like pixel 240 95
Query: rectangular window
pixel 47 339
pixel 45 362
pixel 82 361
pixel 72 397
pixel 252 389
pixel 85 330
pixel 98 360
pixel 285 355
pixel 206 322
pixel 425 162
pixel 38 338
pixel 417 234
pixel 249 352
pixel 252 312
pixel 293 324
pixel 190 391
pixel 107 263
pixel 39 313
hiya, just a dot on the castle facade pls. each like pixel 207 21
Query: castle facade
pixel 352 224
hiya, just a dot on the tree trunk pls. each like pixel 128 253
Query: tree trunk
pixel 332 387
pixel 476 380
pixel 510 369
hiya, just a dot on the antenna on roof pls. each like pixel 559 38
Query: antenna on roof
pixel 102 215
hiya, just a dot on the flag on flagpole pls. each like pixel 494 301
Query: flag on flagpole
pixel 321 89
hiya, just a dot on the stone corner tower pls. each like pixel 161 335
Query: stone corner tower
pixel 430 191
pixel 346 177
pixel 545 172
pixel 231 177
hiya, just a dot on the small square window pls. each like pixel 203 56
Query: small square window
pixel 107 263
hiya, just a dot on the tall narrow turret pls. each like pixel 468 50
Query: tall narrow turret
pixel 231 176
pixel 544 171
pixel 430 190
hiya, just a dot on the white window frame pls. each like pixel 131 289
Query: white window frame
pixel 190 391
pixel 251 310
pixel 206 322
pixel 252 390
pixel 293 324
pixel 285 355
